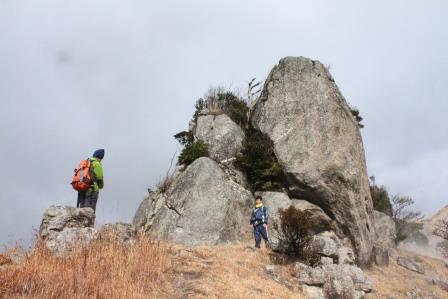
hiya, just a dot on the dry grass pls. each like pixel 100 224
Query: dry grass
pixel 231 271
pixel 5 260
pixel 398 280
pixel 107 269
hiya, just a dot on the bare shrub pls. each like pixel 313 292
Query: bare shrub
pixel 106 269
pixel 311 254
pixel 165 183
pixel 214 107
pixel 407 221
pixel 293 230
pixel 253 90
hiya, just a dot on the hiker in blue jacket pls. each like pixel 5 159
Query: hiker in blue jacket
pixel 259 221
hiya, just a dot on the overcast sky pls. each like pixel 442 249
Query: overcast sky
pixel 124 75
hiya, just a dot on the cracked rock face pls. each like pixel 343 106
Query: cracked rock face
pixel 203 206
pixel 318 143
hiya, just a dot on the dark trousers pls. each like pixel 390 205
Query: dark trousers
pixel 260 232
pixel 87 199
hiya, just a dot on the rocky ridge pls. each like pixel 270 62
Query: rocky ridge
pixel 318 144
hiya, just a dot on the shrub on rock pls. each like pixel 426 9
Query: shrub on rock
pixel 259 163
pixel 192 152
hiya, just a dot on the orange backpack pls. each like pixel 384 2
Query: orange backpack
pixel 82 181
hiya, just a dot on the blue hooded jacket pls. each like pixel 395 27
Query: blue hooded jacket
pixel 259 216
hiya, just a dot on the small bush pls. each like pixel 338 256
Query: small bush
pixel 192 152
pixel 200 104
pixel 234 107
pixel 381 199
pixel 184 138
pixel 293 230
pixel 259 163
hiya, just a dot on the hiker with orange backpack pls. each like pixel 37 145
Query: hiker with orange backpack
pixel 88 180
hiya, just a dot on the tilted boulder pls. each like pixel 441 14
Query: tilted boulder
pixel 318 143
pixel 203 206
pixel 222 135
pixel 410 264
pixel 64 228
pixel 381 255
pixel 385 235
pixel 319 221
pixel 385 231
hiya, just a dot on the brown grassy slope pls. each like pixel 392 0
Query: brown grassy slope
pixel 156 270
pixel 230 271
pixel 108 269
pixel 234 271
pixel 396 280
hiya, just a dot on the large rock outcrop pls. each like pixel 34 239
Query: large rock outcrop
pixel 203 206
pixel 318 143
pixel 64 228
pixel 222 135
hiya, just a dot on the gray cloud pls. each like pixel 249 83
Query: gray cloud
pixel 78 75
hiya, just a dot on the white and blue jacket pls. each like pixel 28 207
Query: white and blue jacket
pixel 259 216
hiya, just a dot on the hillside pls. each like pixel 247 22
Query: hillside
pixel 224 271
pixel 429 249
pixel 239 272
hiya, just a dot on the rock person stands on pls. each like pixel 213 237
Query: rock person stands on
pixel 89 198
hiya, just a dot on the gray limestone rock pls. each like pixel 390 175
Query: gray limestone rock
pixel 124 232
pixel 317 141
pixel 336 280
pixel 410 264
pixel 65 228
pixel 203 206
pixel 58 218
pixel 222 135
pixel 380 255
pixel 385 231
pixel 63 242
